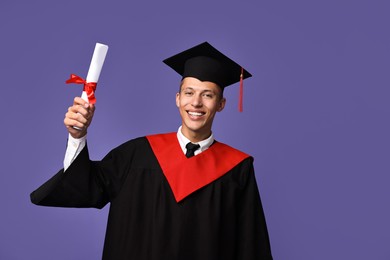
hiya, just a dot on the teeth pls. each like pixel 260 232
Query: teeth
pixel 195 113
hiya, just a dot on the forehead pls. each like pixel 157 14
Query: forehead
pixel 196 84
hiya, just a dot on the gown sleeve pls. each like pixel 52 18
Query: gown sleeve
pixel 253 239
pixel 86 183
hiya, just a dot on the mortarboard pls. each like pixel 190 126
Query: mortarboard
pixel 206 63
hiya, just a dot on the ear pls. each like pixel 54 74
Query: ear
pixel 178 99
pixel 222 104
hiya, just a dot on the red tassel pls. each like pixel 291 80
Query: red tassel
pixel 240 105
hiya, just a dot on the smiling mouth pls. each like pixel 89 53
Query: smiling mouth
pixel 195 114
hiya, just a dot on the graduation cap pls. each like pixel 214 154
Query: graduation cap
pixel 206 63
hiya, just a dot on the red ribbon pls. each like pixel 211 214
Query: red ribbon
pixel 89 87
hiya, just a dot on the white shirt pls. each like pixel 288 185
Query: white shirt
pixel 204 145
pixel 73 149
pixel 75 146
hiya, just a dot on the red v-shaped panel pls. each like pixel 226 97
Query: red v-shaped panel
pixel 187 175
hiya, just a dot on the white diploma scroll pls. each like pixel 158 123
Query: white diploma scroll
pixel 98 57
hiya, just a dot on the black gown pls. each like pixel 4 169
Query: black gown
pixel 222 220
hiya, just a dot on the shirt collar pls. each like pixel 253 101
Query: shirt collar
pixel 204 144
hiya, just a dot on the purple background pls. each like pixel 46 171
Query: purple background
pixel 316 112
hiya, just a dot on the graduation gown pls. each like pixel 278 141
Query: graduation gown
pixel 155 215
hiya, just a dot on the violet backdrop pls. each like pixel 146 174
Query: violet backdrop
pixel 316 112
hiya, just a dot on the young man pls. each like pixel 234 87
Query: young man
pixel 172 196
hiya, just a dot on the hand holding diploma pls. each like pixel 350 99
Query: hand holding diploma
pixel 80 114
pixel 79 117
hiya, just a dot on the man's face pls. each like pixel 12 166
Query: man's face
pixel 198 101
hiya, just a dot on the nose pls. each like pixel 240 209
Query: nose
pixel 196 101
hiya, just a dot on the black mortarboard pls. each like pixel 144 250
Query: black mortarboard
pixel 206 63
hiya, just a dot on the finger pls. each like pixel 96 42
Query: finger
pixel 80 101
pixel 79 109
pixel 89 112
pixel 70 115
pixel 71 123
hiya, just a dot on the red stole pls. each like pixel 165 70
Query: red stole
pixel 187 175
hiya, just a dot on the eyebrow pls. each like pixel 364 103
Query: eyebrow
pixel 189 88
pixel 208 91
pixel 202 91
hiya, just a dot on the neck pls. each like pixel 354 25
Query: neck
pixel 196 137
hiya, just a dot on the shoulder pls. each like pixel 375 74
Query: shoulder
pixel 143 142
pixel 242 173
pixel 129 148
pixel 132 143
pixel 161 138
pixel 229 150
pixel 136 152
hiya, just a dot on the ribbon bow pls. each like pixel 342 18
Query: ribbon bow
pixel 89 87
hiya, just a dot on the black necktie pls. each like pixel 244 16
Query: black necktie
pixel 191 148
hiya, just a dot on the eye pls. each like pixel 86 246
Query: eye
pixel 208 95
pixel 188 93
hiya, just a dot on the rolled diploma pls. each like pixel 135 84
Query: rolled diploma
pixel 98 57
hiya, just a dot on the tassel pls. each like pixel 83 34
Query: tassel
pixel 240 105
